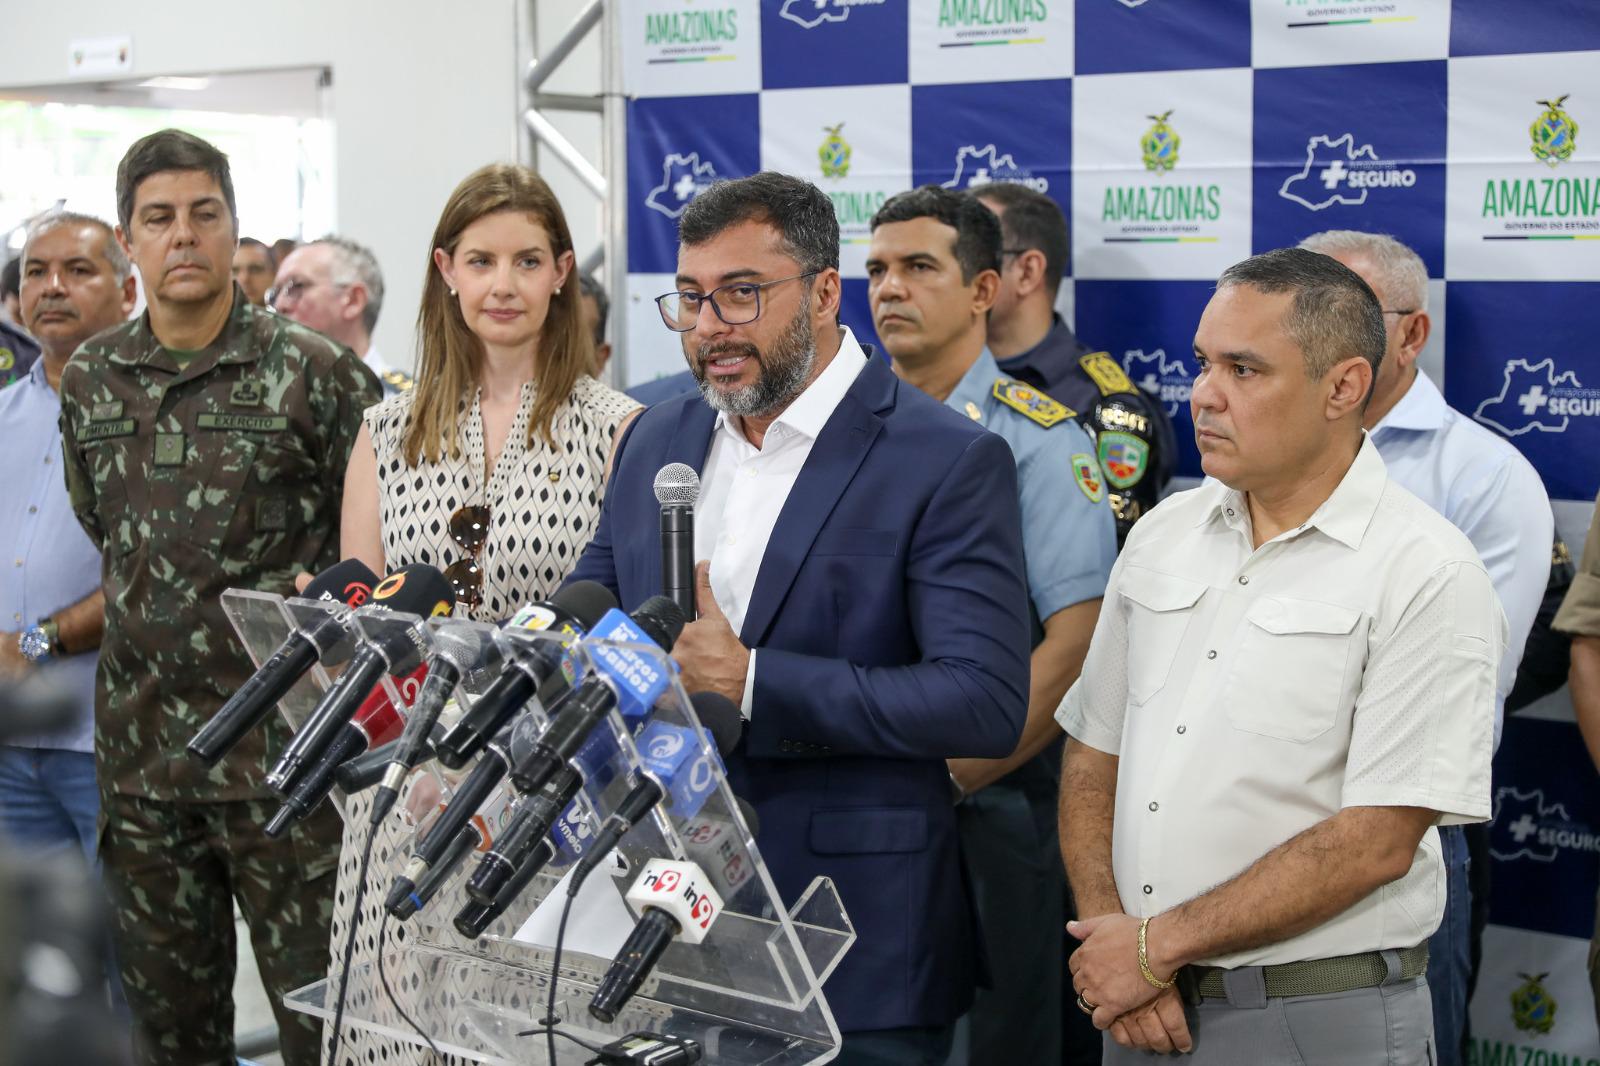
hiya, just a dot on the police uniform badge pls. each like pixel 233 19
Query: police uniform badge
pixel 1086 472
pixel 8 360
pixel 1123 457
pixel 1030 402
pixel 973 412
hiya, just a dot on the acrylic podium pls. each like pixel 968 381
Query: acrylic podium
pixel 750 993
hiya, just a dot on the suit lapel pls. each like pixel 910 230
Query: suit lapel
pixel 835 457
pixel 691 440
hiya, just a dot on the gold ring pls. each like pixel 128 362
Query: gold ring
pixel 1084 1005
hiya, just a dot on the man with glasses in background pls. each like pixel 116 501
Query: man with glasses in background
pixel 861 596
pixel 334 286
pixel 1491 493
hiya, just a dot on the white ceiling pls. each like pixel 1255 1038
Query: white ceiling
pixel 295 93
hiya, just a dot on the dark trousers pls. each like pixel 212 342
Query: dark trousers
pixel 897 1047
pixel 1010 846
pixel 173 871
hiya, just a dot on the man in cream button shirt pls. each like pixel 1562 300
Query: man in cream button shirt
pixel 1291 683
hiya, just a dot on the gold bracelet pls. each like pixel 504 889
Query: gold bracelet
pixel 1144 959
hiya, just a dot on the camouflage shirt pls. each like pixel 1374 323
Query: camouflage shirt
pixel 224 472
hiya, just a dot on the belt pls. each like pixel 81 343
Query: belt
pixel 1319 977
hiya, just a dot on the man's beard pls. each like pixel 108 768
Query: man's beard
pixel 783 371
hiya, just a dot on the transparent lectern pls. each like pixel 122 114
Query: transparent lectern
pixel 750 993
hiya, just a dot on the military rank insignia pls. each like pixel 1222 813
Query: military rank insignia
pixel 1106 374
pixel 1124 458
pixel 1031 402
pixel 973 412
pixel 1086 472
pixel 246 394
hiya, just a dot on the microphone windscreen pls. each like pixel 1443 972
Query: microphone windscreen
pixel 348 581
pixel 677 483
pixel 416 589
pixel 661 619
pixel 586 601
pixel 720 718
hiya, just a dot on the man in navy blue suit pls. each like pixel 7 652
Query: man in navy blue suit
pixel 861 596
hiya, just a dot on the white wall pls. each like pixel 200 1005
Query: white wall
pixel 424 91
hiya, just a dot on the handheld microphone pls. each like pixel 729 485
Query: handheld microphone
pixel 572 611
pixel 435 845
pixel 624 678
pixel 675 770
pixel 475 917
pixel 533 819
pixel 677 489
pixel 416 589
pixel 377 722
pixel 677 901
pixel 348 582
pixel 428 887
pixel 457 651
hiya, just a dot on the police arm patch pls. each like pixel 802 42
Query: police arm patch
pixel 1086 472
pixel 1031 403
pixel 1124 458
pixel 1106 373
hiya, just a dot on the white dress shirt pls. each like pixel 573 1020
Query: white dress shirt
pixel 743 488
pixel 1252 693
pixel 1485 487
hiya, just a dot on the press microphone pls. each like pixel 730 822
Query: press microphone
pixel 514 843
pixel 475 917
pixel 675 770
pixel 416 589
pixel 677 900
pixel 460 847
pixel 624 681
pixel 376 722
pixel 457 651
pixel 349 583
pixel 677 489
pixel 531 667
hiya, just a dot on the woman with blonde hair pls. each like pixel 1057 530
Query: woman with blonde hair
pixel 491 468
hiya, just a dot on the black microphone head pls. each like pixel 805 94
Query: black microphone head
pixel 661 619
pixel 720 718
pixel 677 483
pixel 585 601
pixel 416 589
pixel 348 581
pixel 748 813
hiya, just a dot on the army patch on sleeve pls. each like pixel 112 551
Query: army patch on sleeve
pixel 1110 377
pixel 1033 404
pixel 1086 472
pixel 1124 458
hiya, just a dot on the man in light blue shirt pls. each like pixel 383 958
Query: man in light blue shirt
pixel 75 283
pixel 1487 490
pixel 932 275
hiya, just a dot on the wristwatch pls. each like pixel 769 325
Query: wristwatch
pixel 40 641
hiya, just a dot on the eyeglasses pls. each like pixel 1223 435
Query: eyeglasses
pixel 1407 311
pixel 288 294
pixel 1013 251
pixel 735 304
pixel 469 527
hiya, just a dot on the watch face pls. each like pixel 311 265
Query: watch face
pixel 34 645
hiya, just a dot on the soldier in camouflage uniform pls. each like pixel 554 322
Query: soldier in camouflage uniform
pixel 205 446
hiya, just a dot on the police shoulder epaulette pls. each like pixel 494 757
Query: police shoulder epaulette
pixel 398 380
pixel 1030 402
pixel 1106 373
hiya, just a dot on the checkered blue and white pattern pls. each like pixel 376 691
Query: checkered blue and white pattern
pixel 1180 137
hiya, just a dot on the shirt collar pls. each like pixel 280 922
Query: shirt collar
pixel 976 384
pixel 1052 357
pixel 811 410
pixel 1421 408
pixel 1344 515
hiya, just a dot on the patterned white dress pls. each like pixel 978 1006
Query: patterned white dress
pixel 544 503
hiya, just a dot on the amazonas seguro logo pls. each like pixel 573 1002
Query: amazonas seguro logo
pixel 809 14
pixel 1537 396
pixel 1339 171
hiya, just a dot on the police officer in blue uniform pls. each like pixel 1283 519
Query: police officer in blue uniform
pixel 18 353
pixel 1031 342
pixel 933 272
